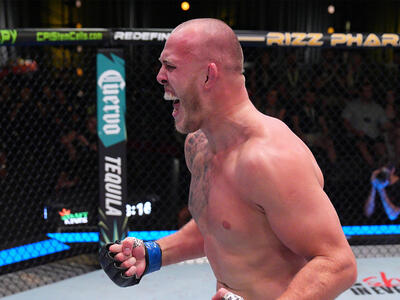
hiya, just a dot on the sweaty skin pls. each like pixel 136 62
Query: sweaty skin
pixel 260 214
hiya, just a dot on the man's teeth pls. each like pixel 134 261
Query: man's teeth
pixel 168 96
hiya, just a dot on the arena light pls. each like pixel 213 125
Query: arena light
pixel 78 3
pixel 331 9
pixel 21 253
pixel 371 230
pixel 75 237
pixel 330 30
pixel 93 237
pixel 185 6
pixel 150 235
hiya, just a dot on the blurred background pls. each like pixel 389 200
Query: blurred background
pixel 285 15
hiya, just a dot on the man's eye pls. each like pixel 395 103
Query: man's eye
pixel 170 67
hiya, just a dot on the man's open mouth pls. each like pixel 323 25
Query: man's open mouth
pixel 175 104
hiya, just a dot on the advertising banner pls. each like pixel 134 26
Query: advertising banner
pixel 61 36
pixel 111 129
pixel 378 278
pixel 53 36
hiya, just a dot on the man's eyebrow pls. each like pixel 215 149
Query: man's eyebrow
pixel 165 61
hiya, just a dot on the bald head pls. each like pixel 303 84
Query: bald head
pixel 214 41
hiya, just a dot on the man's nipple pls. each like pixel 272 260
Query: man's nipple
pixel 226 225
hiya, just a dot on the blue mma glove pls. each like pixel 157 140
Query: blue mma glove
pixel 117 274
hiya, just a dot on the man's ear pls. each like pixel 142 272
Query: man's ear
pixel 212 74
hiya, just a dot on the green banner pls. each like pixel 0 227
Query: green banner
pixel 111 106
pixel 111 130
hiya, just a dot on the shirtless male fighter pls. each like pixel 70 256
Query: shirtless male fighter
pixel 259 210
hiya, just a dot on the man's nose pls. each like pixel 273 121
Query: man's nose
pixel 161 78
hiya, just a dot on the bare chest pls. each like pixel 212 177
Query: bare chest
pixel 214 200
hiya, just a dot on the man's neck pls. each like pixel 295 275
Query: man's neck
pixel 229 128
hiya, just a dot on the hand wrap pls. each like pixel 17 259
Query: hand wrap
pixel 117 274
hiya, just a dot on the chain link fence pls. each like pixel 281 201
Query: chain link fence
pixel 157 171
pixel 343 103
pixel 48 149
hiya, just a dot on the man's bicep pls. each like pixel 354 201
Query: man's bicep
pixel 299 212
pixel 287 184
pixel 305 220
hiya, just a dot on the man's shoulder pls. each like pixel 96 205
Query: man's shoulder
pixel 278 163
pixel 272 168
pixel 278 148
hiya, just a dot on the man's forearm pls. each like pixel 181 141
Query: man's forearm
pixel 185 244
pixel 321 278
